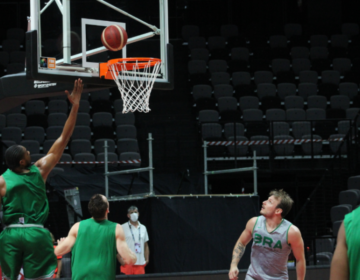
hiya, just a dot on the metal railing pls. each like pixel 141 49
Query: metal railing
pixel 224 171
pixel 149 169
pixel 316 145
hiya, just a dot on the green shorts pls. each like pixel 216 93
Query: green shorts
pixel 29 247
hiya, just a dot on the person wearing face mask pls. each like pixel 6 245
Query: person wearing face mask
pixel 137 239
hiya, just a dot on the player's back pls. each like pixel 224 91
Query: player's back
pixel 94 252
pixel 25 201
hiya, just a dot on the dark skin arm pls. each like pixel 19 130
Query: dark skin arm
pixel 47 163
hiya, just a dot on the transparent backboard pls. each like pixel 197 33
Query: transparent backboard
pixel 64 41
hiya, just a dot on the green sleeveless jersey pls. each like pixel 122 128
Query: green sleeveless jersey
pixel 94 252
pixel 352 233
pixel 25 201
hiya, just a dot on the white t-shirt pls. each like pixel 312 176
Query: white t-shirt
pixel 128 228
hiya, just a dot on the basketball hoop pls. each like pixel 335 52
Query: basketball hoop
pixel 134 78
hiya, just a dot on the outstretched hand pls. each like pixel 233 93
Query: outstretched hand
pixel 75 95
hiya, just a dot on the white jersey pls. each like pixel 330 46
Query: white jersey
pixel 270 251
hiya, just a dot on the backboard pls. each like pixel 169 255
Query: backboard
pixel 64 40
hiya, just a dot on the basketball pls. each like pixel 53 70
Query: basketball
pixel 114 38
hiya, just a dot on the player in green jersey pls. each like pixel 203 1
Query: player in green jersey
pixel 24 241
pixel 94 244
pixel 345 263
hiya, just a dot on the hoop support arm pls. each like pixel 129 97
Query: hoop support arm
pixel 152 27
pixel 46 6
pixel 103 49
pixel 61 6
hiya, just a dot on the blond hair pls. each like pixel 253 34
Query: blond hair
pixel 285 203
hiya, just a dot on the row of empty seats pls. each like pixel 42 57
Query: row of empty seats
pixel 277 46
pixel 198 74
pixel 250 113
pixel 321 130
pixel 201 61
pixel 80 146
pixel 100 119
pixel 59 104
pixel 274 42
pixel 240 59
pixel 286 93
pixel 244 54
pixel 247 59
pixel 272 109
pixel 39 134
pixel 255 34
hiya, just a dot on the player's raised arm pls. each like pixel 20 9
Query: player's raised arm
pixel 239 248
pixel 340 263
pixel 122 248
pixel 65 244
pixel 297 246
pixel 47 163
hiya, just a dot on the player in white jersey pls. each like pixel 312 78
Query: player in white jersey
pixel 274 238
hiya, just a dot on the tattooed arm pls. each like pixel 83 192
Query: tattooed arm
pixel 239 248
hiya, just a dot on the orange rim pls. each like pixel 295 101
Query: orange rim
pixel 129 63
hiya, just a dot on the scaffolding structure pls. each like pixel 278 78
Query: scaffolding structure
pixel 149 169
pixel 253 168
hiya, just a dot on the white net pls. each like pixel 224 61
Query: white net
pixel 135 85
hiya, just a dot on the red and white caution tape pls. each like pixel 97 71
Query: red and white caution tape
pixel 264 142
pixel 100 162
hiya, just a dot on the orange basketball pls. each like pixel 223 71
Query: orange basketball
pixel 114 38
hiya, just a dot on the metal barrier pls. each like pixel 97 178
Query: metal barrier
pixel 233 170
pixel 149 169
pixel 281 145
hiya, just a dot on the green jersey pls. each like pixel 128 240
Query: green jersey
pixel 352 233
pixel 94 252
pixel 25 201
